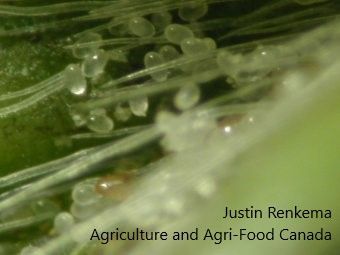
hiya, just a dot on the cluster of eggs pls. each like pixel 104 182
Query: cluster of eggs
pixel 88 198
pixel 93 195
pixel 179 38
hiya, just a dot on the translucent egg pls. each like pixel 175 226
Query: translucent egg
pixel 31 250
pixel 141 27
pixel 176 33
pixel 211 44
pixel 82 212
pixel 169 53
pixel 192 11
pixel 139 106
pixel 187 97
pixel 193 46
pixel 63 222
pixel 122 113
pixel 94 64
pixel 99 122
pixel 161 20
pixel 84 194
pixel 82 52
pixel 75 80
pixel 152 59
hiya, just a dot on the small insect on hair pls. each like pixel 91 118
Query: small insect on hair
pixel 115 186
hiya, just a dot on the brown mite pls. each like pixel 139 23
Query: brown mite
pixel 116 186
